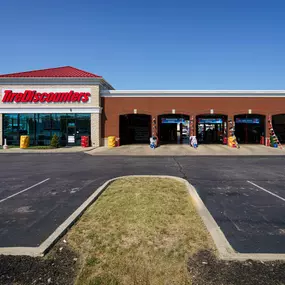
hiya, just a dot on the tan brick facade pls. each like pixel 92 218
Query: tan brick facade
pixel 95 130
pixel 94 104
pixel 95 96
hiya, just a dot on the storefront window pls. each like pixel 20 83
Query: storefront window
pixel 41 128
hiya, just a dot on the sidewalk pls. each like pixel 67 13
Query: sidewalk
pixel 72 149
pixel 164 150
pixel 185 150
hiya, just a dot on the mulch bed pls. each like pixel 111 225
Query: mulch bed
pixel 59 267
pixel 205 268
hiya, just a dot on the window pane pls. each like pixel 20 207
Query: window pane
pixel 55 121
pixel 43 129
pixel 27 126
pixel 63 131
pixel 11 129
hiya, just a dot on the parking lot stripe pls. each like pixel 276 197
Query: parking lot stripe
pixel 22 191
pixel 273 194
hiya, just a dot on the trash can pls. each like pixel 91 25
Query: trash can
pixel 85 141
pixel 111 141
pixel 117 141
pixel 24 141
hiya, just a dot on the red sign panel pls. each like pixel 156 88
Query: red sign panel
pixel 30 96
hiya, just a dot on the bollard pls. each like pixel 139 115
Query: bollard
pixel 5 146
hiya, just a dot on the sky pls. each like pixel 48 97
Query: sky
pixel 150 44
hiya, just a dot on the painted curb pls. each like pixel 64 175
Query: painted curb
pixel 225 250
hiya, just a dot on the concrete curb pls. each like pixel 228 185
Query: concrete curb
pixel 225 250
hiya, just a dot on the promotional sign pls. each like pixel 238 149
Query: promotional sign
pixel 210 121
pixel 46 96
pixel 247 121
pixel 71 139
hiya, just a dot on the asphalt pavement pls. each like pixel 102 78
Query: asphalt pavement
pixel 245 195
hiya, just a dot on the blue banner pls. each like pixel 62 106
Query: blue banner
pixel 172 120
pixel 210 121
pixel 247 121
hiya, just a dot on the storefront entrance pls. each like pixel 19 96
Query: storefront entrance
pixel 211 128
pixel 249 128
pixel 173 128
pixel 135 128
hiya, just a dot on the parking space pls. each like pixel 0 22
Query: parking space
pixel 251 219
pixel 245 195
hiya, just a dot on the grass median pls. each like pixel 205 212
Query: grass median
pixel 140 231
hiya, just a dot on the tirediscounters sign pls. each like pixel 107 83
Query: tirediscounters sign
pixel 33 96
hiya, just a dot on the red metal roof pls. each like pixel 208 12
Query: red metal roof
pixel 64 71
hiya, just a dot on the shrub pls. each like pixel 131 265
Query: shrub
pixel 54 141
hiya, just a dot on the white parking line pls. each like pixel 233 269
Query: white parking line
pixel 5 199
pixel 273 194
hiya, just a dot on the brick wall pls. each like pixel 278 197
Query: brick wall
pixel 230 106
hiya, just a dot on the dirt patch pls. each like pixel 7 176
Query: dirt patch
pixel 205 268
pixel 58 267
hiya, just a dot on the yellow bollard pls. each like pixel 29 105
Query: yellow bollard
pixel 24 141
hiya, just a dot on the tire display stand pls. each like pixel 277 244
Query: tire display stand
pixel 232 134
pixel 273 135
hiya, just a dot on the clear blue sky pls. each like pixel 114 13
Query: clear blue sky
pixel 150 44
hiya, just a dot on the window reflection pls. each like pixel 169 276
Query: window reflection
pixel 41 127
pixel 10 126
pixel 27 126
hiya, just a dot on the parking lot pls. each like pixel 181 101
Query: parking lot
pixel 244 194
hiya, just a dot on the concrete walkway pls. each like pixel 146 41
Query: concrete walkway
pixel 164 150
pixel 72 149
pixel 185 150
